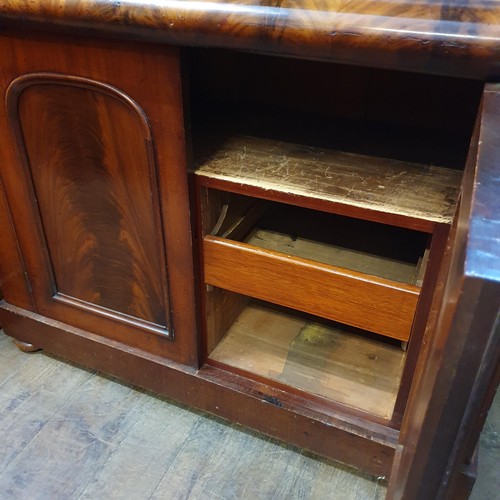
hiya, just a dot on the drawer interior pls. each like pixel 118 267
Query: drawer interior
pixel 252 329
pixel 355 272
pixel 375 249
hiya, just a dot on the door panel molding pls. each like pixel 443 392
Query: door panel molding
pixel 99 216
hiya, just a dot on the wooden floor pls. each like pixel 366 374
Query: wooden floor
pixel 68 433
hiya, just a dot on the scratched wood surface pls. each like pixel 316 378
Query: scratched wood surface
pixel 422 192
pixel 70 433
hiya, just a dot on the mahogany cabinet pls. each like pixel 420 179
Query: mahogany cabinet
pixel 303 247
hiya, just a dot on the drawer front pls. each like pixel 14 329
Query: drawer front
pixel 368 302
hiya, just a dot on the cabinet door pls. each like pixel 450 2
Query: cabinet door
pixel 93 163
pixel 462 349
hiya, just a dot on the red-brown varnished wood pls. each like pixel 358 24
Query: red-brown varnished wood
pixel 459 365
pixel 440 37
pixel 13 279
pixel 99 199
pixel 26 346
pixel 89 155
pixel 289 417
pixel 417 339
pixel 109 332
pixel 346 296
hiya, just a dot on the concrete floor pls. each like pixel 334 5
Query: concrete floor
pixel 69 433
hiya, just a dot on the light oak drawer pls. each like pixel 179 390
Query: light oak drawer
pixel 369 302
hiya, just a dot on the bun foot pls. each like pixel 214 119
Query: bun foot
pixel 26 347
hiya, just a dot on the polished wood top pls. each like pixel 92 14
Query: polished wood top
pixel 459 37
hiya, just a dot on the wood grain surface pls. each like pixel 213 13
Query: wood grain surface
pixel 334 255
pixel 338 294
pixel 14 285
pixel 71 433
pixel 483 258
pixel 90 157
pixel 314 357
pixel 99 199
pixel 431 36
pixel 171 448
pixel 380 189
pixel 457 367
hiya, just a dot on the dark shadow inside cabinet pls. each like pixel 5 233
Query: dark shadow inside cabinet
pixel 318 190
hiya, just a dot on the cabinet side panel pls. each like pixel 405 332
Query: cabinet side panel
pixel 90 160
pixel 13 278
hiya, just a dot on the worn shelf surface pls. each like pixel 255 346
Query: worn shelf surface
pixel 318 358
pixel 372 184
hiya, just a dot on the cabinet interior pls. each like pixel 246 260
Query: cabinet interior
pixel 309 354
pixel 318 188
pixel 297 347
pixel 411 117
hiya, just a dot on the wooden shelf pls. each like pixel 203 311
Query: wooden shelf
pixel 383 190
pixel 318 358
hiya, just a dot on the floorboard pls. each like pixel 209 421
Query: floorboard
pixel 69 433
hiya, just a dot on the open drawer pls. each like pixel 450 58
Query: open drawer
pixel 355 272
